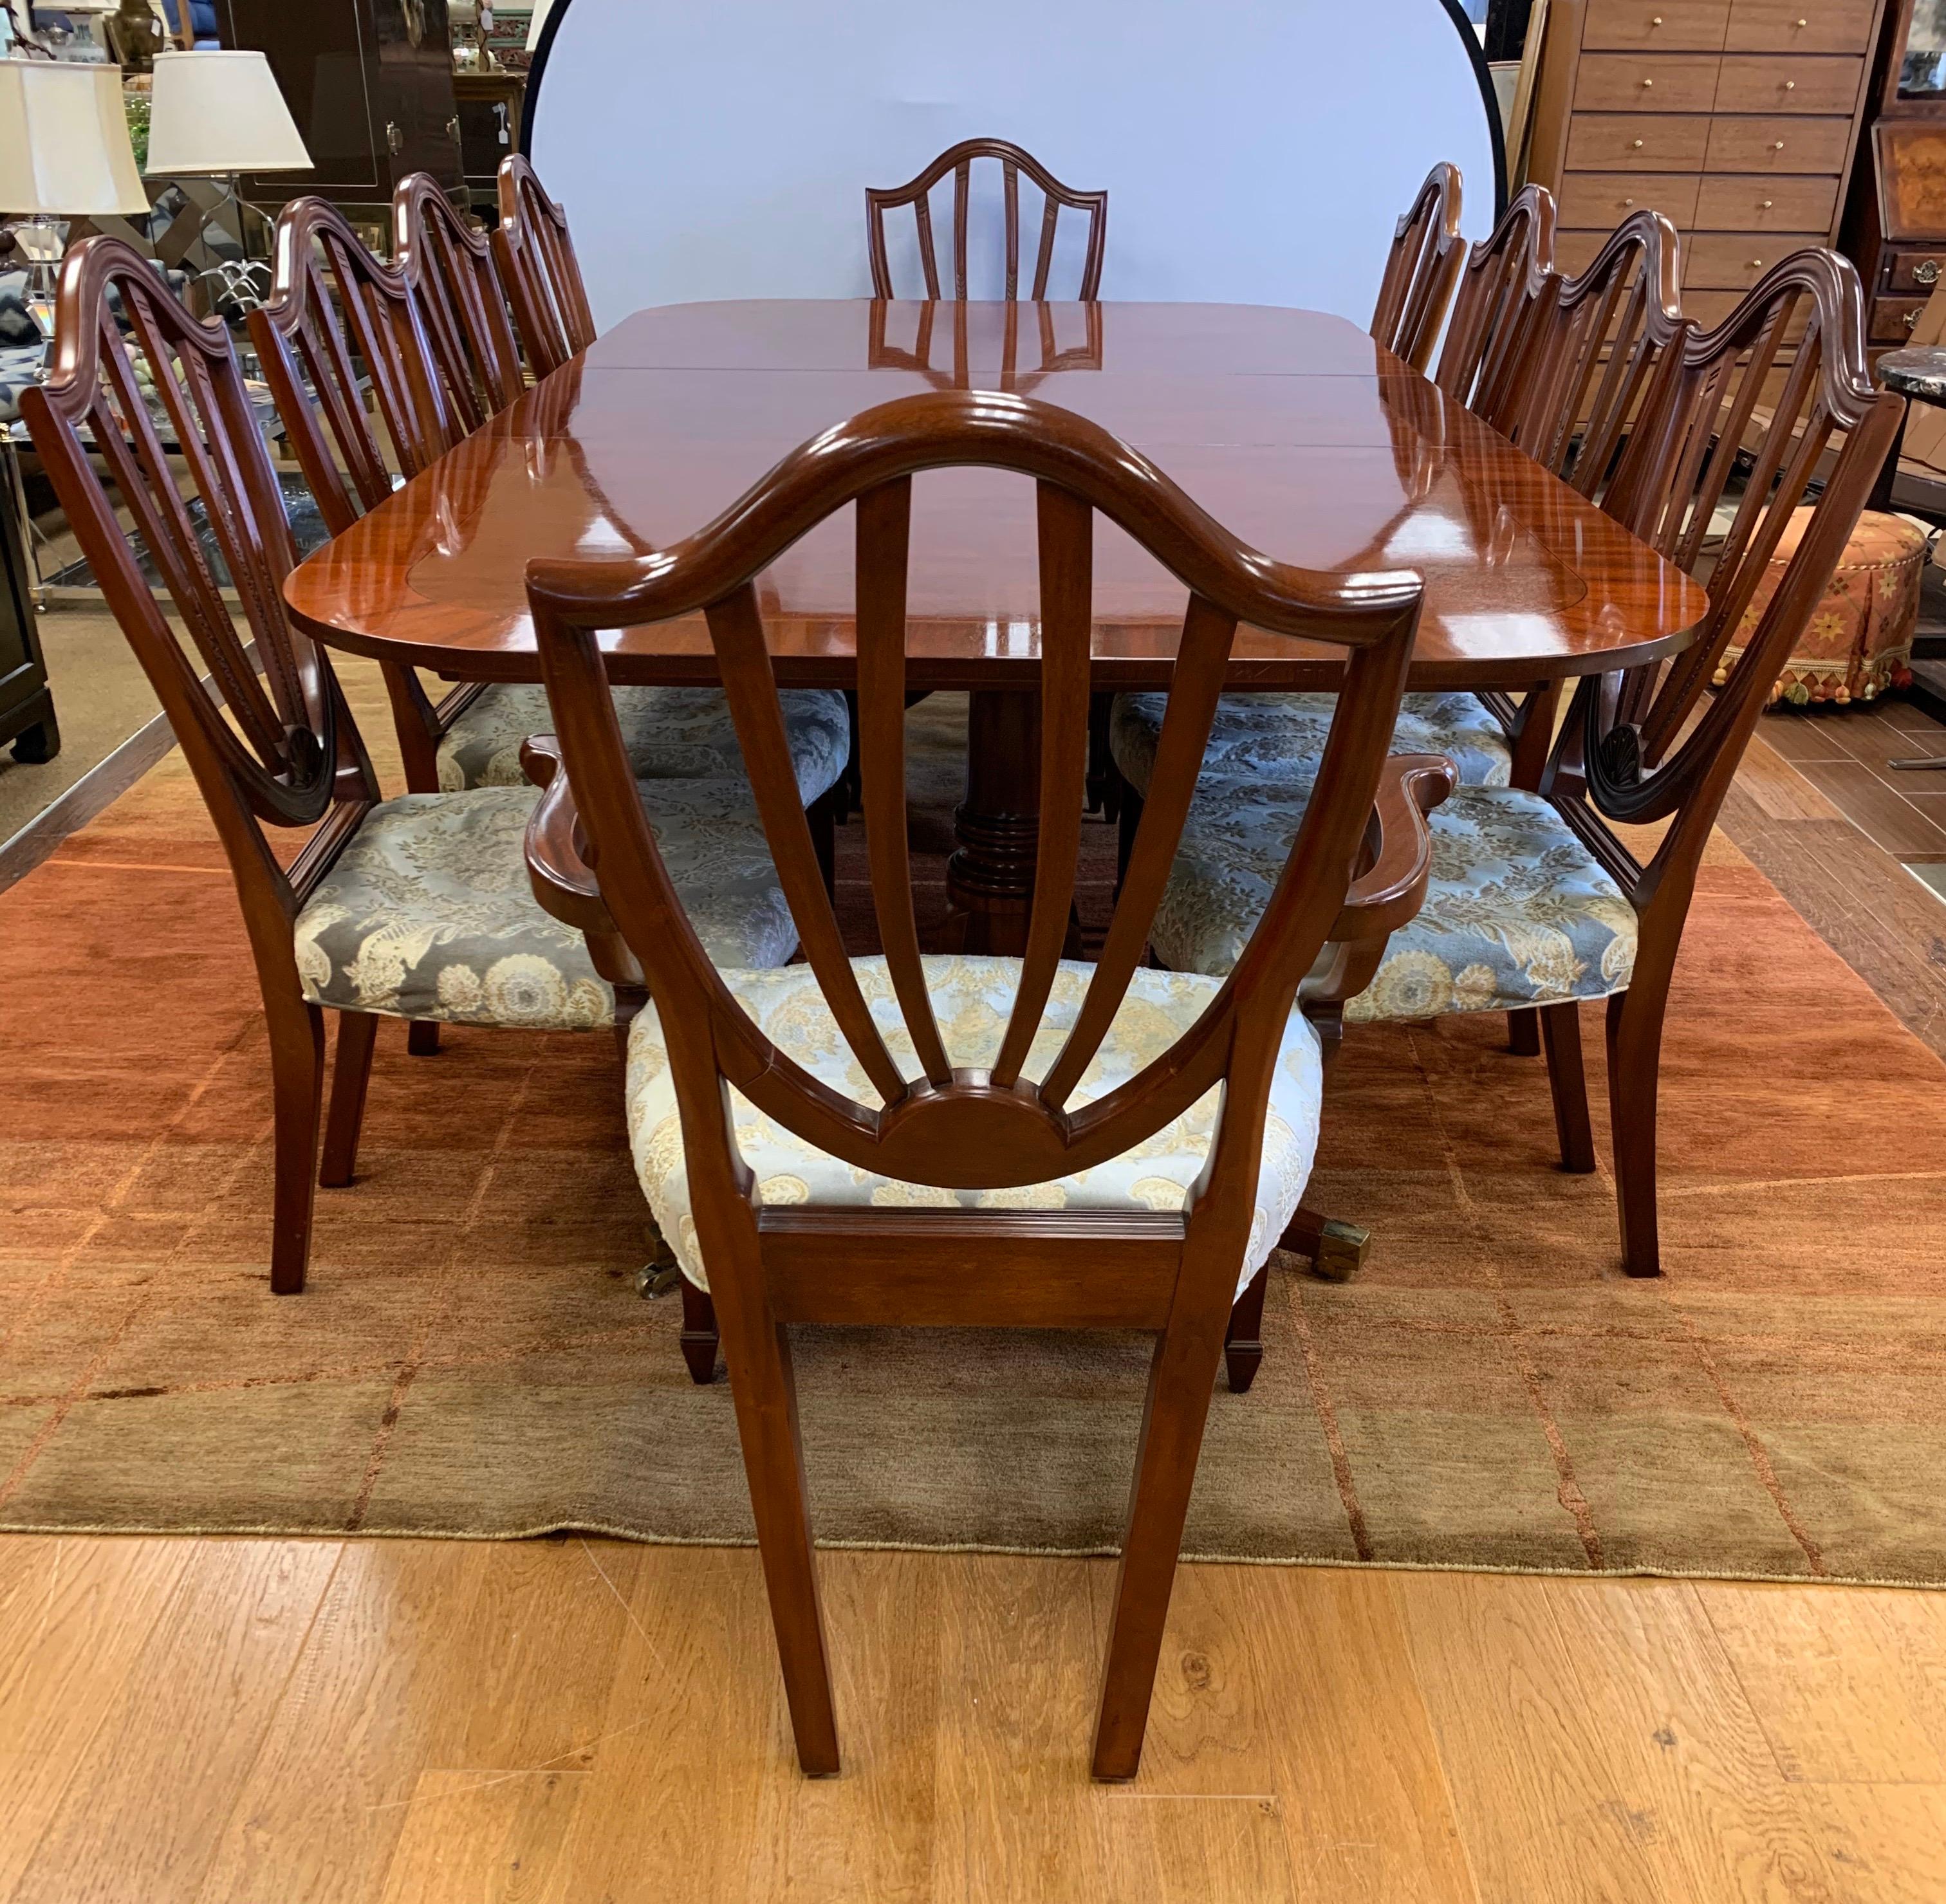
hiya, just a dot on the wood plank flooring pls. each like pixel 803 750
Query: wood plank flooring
pixel 188 1722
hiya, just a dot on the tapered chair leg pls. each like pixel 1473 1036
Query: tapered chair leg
pixel 1523 1034
pixel 1242 1343
pixel 296 1076
pixel 1635 1063
pixel 422 1038
pixel 350 1073
pixel 700 1336
pixel 1181 1379
pixel 1561 1032
pixel 764 1391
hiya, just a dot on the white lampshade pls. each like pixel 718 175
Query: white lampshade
pixel 220 111
pixel 64 150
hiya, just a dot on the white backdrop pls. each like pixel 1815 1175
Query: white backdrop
pixel 1254 151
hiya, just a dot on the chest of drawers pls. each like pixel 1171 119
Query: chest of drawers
pixel 1737 119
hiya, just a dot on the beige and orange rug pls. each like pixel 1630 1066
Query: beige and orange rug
pixel 471 1357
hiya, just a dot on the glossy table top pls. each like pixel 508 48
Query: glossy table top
pixel 1292 428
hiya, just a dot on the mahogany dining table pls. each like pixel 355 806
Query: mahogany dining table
pixel 1293 428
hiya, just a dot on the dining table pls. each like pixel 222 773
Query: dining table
pixel 1292 428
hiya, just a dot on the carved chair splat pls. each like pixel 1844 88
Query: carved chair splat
pixel 1013 161
pixel 536 253
pixel 1022 1116
pixel 448 262
pixel 1422 269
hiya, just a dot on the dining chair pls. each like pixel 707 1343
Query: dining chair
pixel 1422 271
pixel 536 253
pixel 339 323
pixel 419 907
pixel 958 160
pixel 1538 898
pixel 1509 278
pixel 961 1140
pixel 447 263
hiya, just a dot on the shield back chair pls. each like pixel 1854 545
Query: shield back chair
pixel 896 1140
pixel 1509 279
pixel 447 263
pixel 417 908
pixel 536 253
pixel 339 319
pixel 1055 197
pixel 1537 898
pixel 1422 269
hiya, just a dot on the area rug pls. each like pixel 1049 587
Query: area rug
pixel 472 1358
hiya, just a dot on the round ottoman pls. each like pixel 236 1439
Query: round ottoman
pixel 1859 640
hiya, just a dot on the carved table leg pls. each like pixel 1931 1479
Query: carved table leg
pixel 990 878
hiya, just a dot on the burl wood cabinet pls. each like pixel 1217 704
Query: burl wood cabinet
pixel 370 83
pixel 1736 118
pixel 1895 227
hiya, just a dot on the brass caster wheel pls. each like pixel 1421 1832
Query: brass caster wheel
pixel 1342 1250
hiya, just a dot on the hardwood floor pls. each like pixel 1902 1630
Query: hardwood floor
pixel 419 1721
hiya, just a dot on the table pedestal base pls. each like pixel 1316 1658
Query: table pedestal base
pixel 989 881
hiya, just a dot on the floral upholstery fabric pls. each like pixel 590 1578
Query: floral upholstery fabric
pixel 971 998
pixel 1280 733
pixel 671 733
pixel 1517 912
pixel 428 913
pixel 1859 642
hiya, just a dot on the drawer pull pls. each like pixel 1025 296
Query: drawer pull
pixel 1764 204
pixel 1656 21
pixel 1648 82
pixel 1627 201
pixel 1778 146
pixel 1801 24
pixel 1911 318
pixel 1790 85
pixel 1926 271
pixel 1638 145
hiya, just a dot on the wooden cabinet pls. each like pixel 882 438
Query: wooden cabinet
pixel 27 707
pixel 1896 219
pixel 370 83
pixel 1737 119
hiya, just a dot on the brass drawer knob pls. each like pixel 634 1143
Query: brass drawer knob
pixel 1801 24
pixel 1648 82
pixel 1764 204
pixel 1790 85
pixel 1926 271
pixel 1638 145
pixel 1911 319
pixel 1756 264
pixel 1778 146
pixel 1626 201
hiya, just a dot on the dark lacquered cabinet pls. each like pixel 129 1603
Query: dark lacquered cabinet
pixel 27 707
pixel 370 83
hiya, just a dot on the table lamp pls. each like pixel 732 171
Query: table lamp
pixel 214 114
pixel 64 150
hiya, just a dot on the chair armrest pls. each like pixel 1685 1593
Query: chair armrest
pixel 563 882
pixel 1389 892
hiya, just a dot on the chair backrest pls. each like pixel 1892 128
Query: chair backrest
pixel 1422 267
pixel 337 320
pixel 1751 401
pixel 448 263
pixel 153 412
pixel 1593 348
pixel 537 266
pixel 958 160
pixel 1508 279
pixel 984 1121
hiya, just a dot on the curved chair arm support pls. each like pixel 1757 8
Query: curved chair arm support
pixel 1389 893
pixel 563 882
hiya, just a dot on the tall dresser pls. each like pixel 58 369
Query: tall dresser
pixel 1736 118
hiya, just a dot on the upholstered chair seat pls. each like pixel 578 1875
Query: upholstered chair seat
pixel 1279 734
pixel 670 733
pixel 428 913
pixel 971 999
pixel 1517 912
